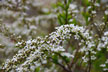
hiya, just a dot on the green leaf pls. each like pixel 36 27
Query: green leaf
pixel 73 22
pixel 37 69
pixel 105 18
pixel 55 59
pixel 69 1
pixel 59 20
pixel 67 60
pixel 86 15
pixel 98 1
pixel 85 2
pixel 61 5
pixel 69 17
pixel 63 15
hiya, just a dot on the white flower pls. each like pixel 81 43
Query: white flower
pixel 89 7
pixel 29 42
pixel 85 59
pixel 71 20
pixel 106 33
pixel 102 65
pixel 72 6
pixel 105 69
pixel 106 61
pixel 94 12
pixel 67 55
pixel 106 12
pixel 93 57
pixel 97 4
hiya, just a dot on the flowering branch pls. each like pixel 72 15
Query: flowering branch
pixel 36 48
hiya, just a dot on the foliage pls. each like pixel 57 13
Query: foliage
pixel 78 44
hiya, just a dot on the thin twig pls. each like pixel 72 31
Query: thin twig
pixel 89 62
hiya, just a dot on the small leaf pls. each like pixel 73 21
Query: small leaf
pixel 37 69
pixel 61 5
pixel 55 59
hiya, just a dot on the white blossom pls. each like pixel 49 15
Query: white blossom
pixel 34 49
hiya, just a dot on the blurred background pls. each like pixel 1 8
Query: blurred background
pixel 22 20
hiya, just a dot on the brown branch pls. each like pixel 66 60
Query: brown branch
pixel 61 65
pixel 67 70
pixel 89 62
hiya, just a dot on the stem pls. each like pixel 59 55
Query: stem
pixel 89 62
pixel 76 53
pixel 66 10
pixel 63 67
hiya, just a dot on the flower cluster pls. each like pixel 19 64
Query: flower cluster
pixel 35 50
